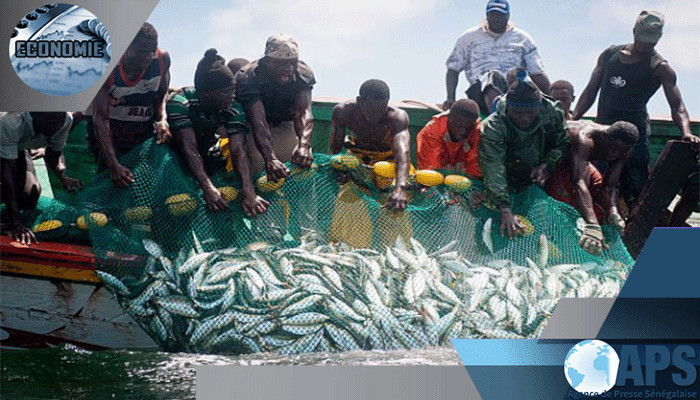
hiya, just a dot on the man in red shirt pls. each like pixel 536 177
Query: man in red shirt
pixel 450 140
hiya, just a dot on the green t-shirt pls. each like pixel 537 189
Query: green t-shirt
pixel 185 111
pixel 508 154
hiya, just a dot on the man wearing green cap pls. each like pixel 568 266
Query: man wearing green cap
pixel 275 92
pixel 201 115
pixel 627 77
pixel 521 143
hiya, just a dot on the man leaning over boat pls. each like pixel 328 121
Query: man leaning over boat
pixel 379 132
pixel 20 188
pixel 130 107
pixel 520 144
pixel 275 92
pixel 201 115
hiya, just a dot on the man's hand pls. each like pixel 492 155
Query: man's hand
pixel 276 170
pixel 541 174
pixel 71 184
pixel 690 138
pixel 398 199
pixel 23 235
pixel 215 200
pixel 302 157
pixel 253 204
pixel 617 221
pixel 477 199
pixel 342 177
pixel 509 224
pixel 592 239
pixel 162 130
pixel 121 175
pixel 447 104
pixel 37 153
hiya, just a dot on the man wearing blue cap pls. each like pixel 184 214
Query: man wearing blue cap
pixel 628 76
pixel 492 47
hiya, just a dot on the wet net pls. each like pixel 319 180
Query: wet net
pixel 327 268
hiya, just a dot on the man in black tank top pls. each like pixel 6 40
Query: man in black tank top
pixel 627 76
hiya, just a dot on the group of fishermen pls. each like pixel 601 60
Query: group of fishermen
pixel 513 130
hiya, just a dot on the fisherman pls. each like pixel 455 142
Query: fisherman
pixel 628 76
pixel 236 64
pixel 379 132
pixel 275 92
pixel 130 107
pixel 520 144
pixel 20 133
pixel 450 140
pixel 563 92
pixel 578 183
pixel 201 115
pixel 494 44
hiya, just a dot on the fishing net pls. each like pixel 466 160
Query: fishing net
pixel 327 267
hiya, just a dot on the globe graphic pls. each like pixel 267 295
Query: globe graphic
pixel 591 367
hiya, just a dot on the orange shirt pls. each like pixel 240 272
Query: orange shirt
pixel 437 151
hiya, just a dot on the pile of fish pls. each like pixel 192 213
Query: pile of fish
pixel 329 297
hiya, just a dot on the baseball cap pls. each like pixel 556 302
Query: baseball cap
pixel 281 46
pixel 649 26
pixel 501 6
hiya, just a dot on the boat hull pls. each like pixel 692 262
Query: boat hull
pixel 50 295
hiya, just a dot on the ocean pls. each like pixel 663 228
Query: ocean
pixel 69 372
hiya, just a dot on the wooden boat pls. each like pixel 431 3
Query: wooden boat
pixel 50 293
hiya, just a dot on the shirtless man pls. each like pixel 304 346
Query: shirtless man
pixel 379 133
pixel 578 183
pixel 130 106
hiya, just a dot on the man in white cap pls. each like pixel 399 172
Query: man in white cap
pixel 275 92
pixel 493 46
pixel 627 76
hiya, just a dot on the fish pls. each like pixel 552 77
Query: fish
pixel 486 235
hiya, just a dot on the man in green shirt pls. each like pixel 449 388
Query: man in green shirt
pixel 521 143
pixel 198 117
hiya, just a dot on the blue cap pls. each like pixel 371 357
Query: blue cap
pixel 501 6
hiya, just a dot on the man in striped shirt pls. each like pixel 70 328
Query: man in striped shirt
pixel 130 107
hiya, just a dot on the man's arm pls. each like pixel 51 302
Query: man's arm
pixel 161 117
pixel 610 181
pixel 187 141
pixel 10 195
pixel 580 153
pixel 429 150
pixel 673 95
pixel 400 148
pixel 255 113
pixel 121 175
pixel 303 126
pixel 336 140
pixel 492 156
pixel 585 101
pixel 57 163
pixel 451 81
pixel 542 81
pixel 252 203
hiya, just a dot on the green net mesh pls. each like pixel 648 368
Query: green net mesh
pixel 327 268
